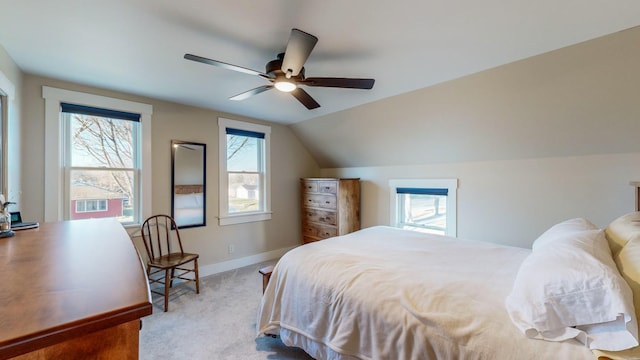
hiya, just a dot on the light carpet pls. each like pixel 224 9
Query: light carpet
pixel 218 323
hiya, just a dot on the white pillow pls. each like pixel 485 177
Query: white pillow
pixel 622 230
pixel 569 287
pixel 565 229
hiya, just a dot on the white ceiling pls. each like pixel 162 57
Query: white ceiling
pixel 137 46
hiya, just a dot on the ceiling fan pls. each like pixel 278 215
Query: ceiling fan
pixel 286 73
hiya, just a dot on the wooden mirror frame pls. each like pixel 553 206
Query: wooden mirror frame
pixel 188 183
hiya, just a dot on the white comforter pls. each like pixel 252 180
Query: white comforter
pixel 386 293
pixel 189 216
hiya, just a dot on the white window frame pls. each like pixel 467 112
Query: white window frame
pixel 55 194
pixel 225 218
pixel 450 184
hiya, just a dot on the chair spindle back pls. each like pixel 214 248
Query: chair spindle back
pixel 157 235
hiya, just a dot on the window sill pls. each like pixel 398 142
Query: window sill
pixel 243 218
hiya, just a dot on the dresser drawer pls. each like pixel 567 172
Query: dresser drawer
pixel 309 230
pixel 309 186
pixel 320 216
pixel 307 239
pixel 330 187
pixel 327 232
pixel 318 231
pixel 320 201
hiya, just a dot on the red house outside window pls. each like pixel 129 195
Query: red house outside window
pixel 89 201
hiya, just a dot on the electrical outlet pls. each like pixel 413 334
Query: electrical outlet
pixel 232 248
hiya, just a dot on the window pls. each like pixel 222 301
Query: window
pixel 90 205
pixel 98 157
pixel 424 205
pixel 244 172
pixel 101 162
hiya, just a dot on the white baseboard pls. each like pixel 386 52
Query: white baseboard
pixel 241 262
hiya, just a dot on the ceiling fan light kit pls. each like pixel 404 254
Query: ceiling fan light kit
pixel 285 86
pixel 286 73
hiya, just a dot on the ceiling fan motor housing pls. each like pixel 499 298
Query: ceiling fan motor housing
pixel 274 69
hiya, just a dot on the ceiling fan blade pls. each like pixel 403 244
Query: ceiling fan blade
pixel 298 49
pixel 224 65
pixel 305 99
pixel 250 93
pixel 348 83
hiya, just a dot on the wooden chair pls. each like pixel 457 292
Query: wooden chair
pixel 165 253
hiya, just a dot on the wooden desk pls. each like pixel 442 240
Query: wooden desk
pixel 72 290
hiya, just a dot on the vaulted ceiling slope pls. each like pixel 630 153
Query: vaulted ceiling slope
pixel 137 46
pixel 581 100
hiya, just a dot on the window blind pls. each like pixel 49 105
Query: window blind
pixel 94 111
pixel 422 191
pixel 246 133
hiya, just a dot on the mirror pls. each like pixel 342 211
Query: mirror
pixel 188 183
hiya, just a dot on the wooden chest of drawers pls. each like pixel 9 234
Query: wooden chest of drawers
pixel 330 207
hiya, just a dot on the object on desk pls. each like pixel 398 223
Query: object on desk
pixel 6 234
pixel 18 224
pixel 5 222
pixel 5 217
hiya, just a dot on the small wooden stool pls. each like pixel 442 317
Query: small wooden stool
pixel 266 275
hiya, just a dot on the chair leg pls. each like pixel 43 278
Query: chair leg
pixel 173 271
pixel 195 268
pixel 166 290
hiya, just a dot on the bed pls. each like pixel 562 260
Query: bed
pixel 188 205
pixel 387 293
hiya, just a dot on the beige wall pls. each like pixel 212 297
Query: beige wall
pixel 532 143
pixel 513 201
pixel 290 161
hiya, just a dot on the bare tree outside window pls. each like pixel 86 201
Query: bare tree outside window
pixel 102 164
pixel 235 144
pixel 107 143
